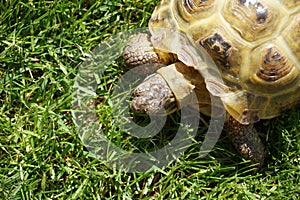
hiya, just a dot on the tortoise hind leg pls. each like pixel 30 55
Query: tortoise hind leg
pixel 246 140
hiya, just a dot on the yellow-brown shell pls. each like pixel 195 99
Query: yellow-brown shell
pixel 255 44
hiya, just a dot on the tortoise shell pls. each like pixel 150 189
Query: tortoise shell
pixel 254 43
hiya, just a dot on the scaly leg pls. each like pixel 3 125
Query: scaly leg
pixel 246 140
pixel 139 50
pixel 154 93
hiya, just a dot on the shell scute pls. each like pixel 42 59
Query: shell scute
pixel 252 19
pixel 290 3
pixel 292 35
pixel 254 43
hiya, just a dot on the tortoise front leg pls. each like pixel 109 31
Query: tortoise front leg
pixel 246 140
pixel 171 87
pixel 139 51
pixel 153 93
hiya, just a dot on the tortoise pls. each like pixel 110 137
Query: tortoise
pixel 255 45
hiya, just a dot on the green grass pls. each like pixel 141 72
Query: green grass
pixel 42 44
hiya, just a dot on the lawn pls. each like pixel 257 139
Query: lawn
pixel 42 47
